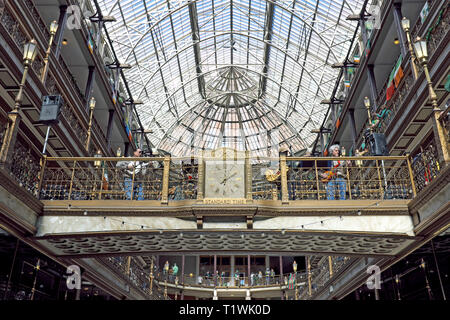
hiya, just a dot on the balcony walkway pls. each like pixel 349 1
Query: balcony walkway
pixel 87 209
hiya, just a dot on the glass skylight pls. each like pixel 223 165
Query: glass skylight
pixel 242 73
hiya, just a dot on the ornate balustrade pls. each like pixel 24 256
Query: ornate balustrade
pixel 183 179
pixel 111 178
pixel 25 167
pixel 135 274
pixel 425 164
pixel 321 275
pixel 13 26
pixel 242 280
pixel 14 29
pixel 435 36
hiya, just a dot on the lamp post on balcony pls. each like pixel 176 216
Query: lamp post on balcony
pixel 9 139
pixel 420 47
pixel 91 107
pixel 53 29
pixel 405 26
pixel 369 116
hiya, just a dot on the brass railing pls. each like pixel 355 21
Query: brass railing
pixel 173 179
pixel 25 167
pixel 434 35
pixel 321 275
pixel 136 275
pixel 219 281
pixel 425 164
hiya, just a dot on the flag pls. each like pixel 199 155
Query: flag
pixel 367 49
pixel 128 131
pixel 394 78
pixel 291 281
pixel 424 12
pixel 390 90
pixel 398 72
pixel 347 83
pixel 356 58
pixel 127 127
pixel 90 44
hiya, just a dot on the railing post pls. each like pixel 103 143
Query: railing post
pixel 201 170
pixel 330 265
pixel 165 190
pixel 379 180
pixel 309 275
pixel 151 277
pixel 132 183
pixel 440 138
pixel 248 176
pixel 284 186
pixel 101 184
pixel 349 184
pixel 411 176
pixel 317 179
pixel 71 179
pixel 128 266
pixel 41 175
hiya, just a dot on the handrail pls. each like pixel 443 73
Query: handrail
pixel 172 179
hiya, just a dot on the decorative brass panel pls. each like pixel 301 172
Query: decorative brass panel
pixel 222 241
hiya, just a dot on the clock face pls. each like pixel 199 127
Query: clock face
pixel 224 179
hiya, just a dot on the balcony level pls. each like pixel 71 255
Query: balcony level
pixel 84 208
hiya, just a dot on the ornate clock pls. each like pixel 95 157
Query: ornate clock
pixel 225 174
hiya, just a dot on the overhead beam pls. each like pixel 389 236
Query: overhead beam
pixel 193 17
pixel 268 27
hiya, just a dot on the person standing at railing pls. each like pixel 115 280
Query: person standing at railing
pixel 236 278
pixel 335 176
pixel 174 270
pixel 134 172
pixel 272 275
pixel 166 269
pixel 260 277
pixel 267 276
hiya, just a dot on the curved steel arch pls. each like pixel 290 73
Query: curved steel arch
pixel 188 2
pixel 155 19
pixel 283 121
pixel 223 34
pixel 158 109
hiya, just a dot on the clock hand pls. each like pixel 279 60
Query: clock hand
pixel 225 179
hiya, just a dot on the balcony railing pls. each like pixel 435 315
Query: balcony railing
pixel 166 179
pixel 13 27
pixel 237 281
pixel 135 274
pixel 425 164
pixel 434 36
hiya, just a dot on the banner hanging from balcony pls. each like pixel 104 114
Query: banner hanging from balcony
pixel 394 79
pixel 128 121
pixel 90 44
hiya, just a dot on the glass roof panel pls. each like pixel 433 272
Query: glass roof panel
pixel 236 73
